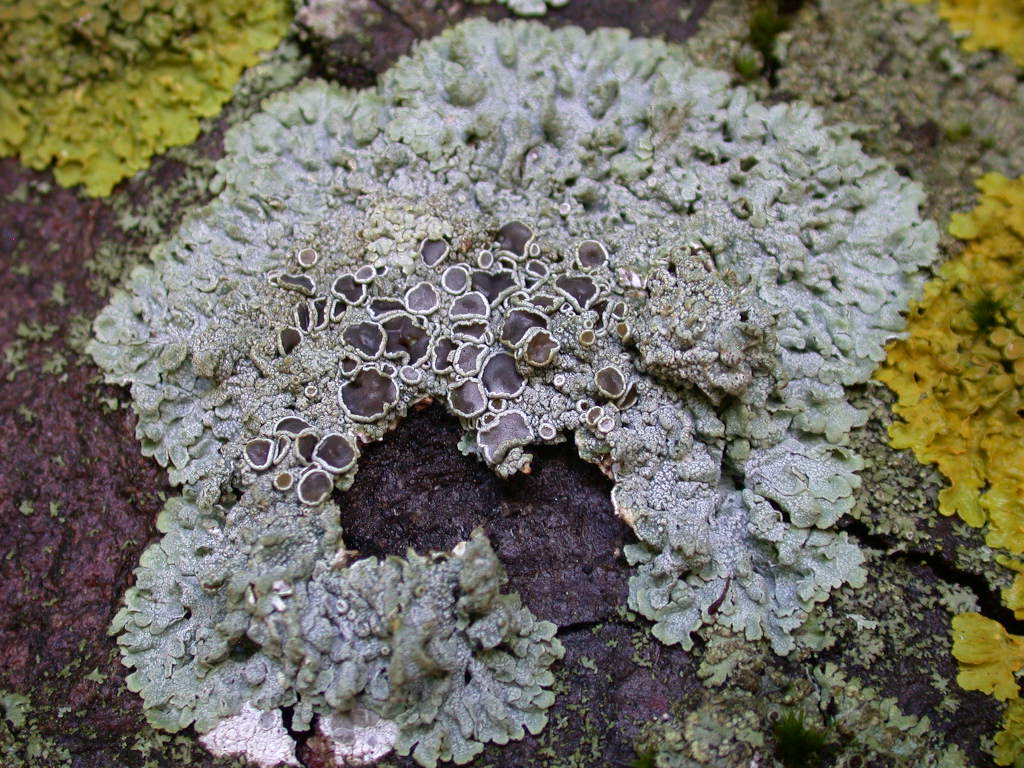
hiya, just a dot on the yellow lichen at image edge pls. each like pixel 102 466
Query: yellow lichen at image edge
pixel 989 659
pixel 959 380
pixel 959 373
pixel 987 24
pixel 97 87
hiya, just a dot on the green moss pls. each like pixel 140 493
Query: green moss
pixel 748 63
pixel 768 21
pixel 984 311
pixel 797 744
pixel 645 759
pixel 958 132
pixel 765 26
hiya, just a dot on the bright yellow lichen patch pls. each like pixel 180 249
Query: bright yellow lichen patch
pixel 1010 740
pixel 959 373
pixel 959 380
pixel 989 656
pixel 1013 596
pixel 987 24
pixel 97 87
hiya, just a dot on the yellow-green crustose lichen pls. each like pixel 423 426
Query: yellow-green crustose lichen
pixel 559 235
pixel 97 87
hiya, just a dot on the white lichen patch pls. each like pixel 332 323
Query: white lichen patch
pixel 527 7
pixel 331 19
pixel 555 234
pixel 259 737
pixel 357 738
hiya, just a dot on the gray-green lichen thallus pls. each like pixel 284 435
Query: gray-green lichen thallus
pixel 558 235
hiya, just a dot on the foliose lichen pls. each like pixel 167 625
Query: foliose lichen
pixel 959 371
pixel 958 378
pixel 557 234
pixel 990 658
pixel 97 87
pixel 252 608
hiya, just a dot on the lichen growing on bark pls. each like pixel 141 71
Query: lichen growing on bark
pixel 557 234
pixel 830 719
pixel 958 377
pixel 253 609
pixel 959 372
pixel 97 87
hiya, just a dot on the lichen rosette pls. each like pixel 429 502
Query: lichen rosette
pixel 558 235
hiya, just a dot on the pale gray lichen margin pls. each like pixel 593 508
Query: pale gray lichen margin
pixel 761 258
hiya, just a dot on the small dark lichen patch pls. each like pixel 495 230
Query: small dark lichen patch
pixel 554 529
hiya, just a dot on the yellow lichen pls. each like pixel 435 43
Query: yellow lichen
pixel 1010 740
pixel 987 24
pixel 959 380
pixel 959 372
pixel 989 656
pixel 98 87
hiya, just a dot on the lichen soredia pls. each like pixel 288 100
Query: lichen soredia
pixel 558 235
